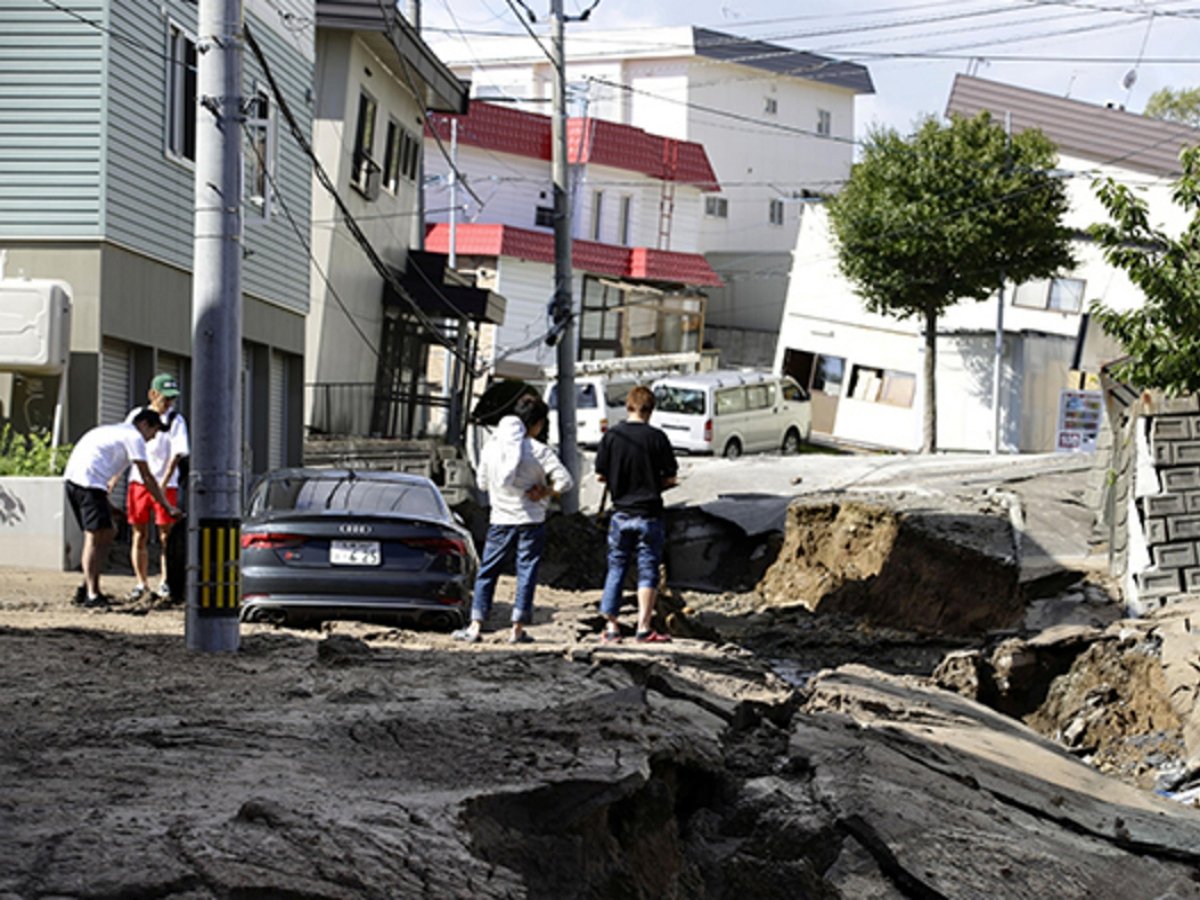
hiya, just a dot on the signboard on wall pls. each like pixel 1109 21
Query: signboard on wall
pixel 1079 416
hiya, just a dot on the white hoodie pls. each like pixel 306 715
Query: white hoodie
pixel 512 463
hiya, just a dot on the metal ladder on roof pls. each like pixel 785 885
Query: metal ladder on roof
pixel 666 198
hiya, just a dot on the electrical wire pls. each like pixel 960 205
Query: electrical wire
pixel 352 225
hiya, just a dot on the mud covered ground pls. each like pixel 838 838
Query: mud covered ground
pixel 359 761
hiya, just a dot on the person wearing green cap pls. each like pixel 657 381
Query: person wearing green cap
pixel 164 453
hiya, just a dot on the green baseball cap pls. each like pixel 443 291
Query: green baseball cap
pixel 165 384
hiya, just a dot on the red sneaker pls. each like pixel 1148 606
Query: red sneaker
pixel 652 637
pixel 610 637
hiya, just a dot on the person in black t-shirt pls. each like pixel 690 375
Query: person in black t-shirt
pixel 636 462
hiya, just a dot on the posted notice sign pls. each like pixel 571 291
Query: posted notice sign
pixel 1079 416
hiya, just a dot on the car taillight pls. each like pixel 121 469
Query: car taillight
pixel 708 430
pixel 269 540
pixel 440 546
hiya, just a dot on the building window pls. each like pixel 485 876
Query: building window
pixel 366 176
pixel 770 106
pixel 597 214
pixel 414 155
pixel 716 207
pixel 623 221
pixel 1058 294
pixel 181 95
pixel 544 217
pixel 258 159
pixel 887 386
pixel 824 122
pixel 775 213
pixel 394 150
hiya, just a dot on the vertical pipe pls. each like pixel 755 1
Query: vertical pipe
pixel 998 350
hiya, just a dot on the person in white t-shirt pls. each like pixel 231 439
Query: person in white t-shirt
pixel 165 450
pixel 98 458
pixel 520 475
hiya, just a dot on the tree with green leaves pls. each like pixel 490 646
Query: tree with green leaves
pixel 1162 337
pixel 1182 106
pixel 945 215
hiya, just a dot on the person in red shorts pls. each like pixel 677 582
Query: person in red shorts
pixel 164 453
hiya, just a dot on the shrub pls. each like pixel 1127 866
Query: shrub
pixel 30 454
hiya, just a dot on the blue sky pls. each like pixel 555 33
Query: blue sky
pixel 1085 49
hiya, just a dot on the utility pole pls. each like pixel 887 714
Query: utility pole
pixel 454 365
pixel 563 304
pixel 998 351
pixel 215 483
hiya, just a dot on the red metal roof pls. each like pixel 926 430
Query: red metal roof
pixel 596 141
pixel 588 256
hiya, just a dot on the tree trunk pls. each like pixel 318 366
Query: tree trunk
pixel 929 445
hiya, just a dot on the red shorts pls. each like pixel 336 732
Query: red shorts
pixel 138 504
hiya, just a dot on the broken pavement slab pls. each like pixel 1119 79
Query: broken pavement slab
pixel 944 565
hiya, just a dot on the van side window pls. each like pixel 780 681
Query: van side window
pixel 731 400
pixel 585 396
pixel 793 391
pixel 758 396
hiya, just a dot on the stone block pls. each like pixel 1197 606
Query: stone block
pixel 1156 531
pixel 1187 452
pixel 1171 428
pixel 1191 501
pixel 1191 580
pixel 1195 421
pixel 1163 452
pixel 1174 556
pixel 1179 478
pixel 1155 583
pixel 1183 528
pixel 1178 404
pixel 1163 505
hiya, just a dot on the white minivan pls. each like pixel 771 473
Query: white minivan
pixel 599 403
pixel 732 412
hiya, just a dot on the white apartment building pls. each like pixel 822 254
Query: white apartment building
pixel 777 124
pixel 637 195
pixel 865 369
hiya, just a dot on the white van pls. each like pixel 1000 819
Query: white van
pixel 599 403
pixel 732 412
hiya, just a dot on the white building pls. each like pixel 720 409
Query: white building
pixel 777 123
pixel 368 336
pixel 636 191
pixel 865 369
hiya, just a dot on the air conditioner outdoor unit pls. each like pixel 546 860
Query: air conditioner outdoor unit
pixel 374 182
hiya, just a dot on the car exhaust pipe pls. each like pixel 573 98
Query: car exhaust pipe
pixel 437 621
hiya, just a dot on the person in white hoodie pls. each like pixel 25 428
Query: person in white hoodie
pixel 520 475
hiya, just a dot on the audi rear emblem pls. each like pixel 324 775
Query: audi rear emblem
pixel 354 529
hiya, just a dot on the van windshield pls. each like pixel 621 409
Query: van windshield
pixel 668 398
pixel 585 396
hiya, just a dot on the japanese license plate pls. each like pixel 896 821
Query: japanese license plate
pixel 354 553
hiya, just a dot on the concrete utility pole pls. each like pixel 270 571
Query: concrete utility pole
pixel 563 304
pixel 215 483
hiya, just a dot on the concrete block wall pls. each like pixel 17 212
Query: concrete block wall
pixel 1170 520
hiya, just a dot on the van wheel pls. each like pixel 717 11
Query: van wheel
pixel 791 442
pixel 733 449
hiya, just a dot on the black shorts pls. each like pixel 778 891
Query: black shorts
pixel 90 506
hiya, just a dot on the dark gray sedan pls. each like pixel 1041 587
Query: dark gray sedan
pixel 322 544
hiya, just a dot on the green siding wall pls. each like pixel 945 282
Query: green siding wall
pixel 50 120
pixel 150 196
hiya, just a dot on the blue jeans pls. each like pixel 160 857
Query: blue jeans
pixel 629 534
pixel 529 541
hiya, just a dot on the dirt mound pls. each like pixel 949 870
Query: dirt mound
pixel 949 571
pixel 1113 709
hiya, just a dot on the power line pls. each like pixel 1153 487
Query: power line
pixel 352 225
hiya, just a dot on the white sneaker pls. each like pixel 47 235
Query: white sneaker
pixel 138 592
pixel 163 592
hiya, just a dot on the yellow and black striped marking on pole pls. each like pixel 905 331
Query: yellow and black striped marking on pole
pixel 219 574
